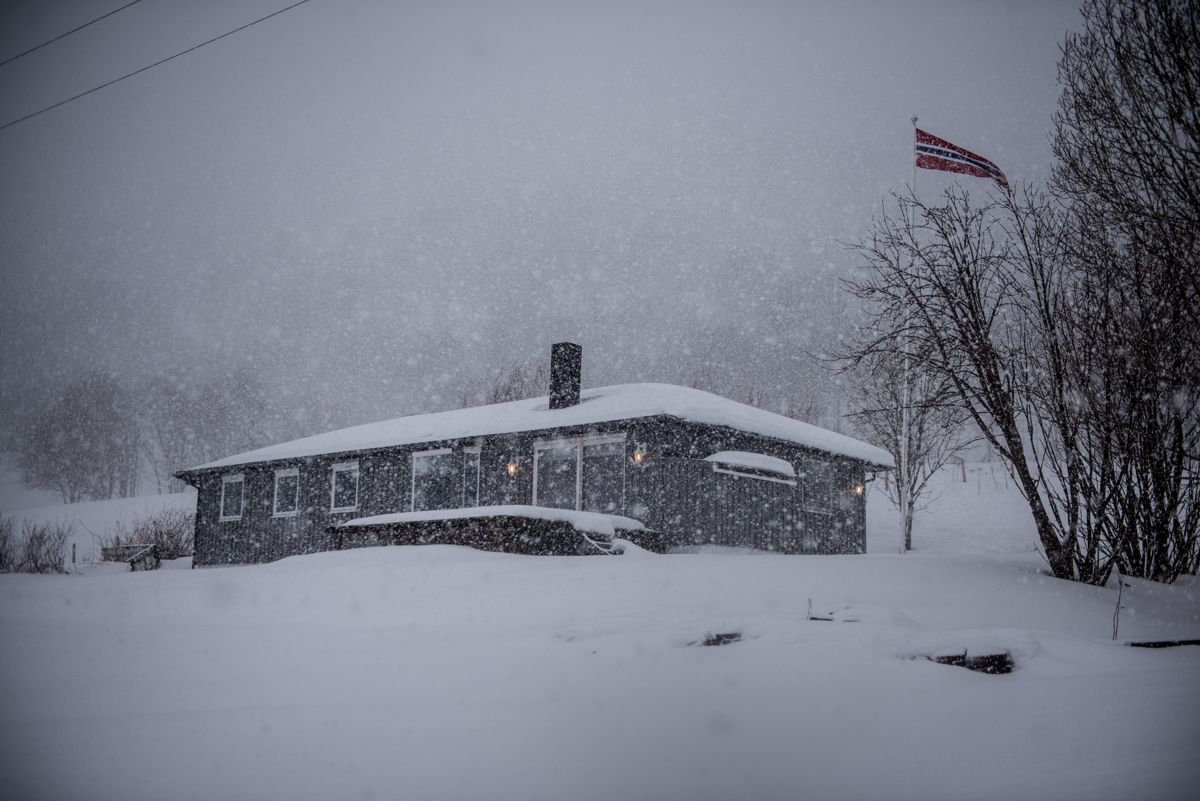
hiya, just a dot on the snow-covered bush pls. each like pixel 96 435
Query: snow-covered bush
pixel 43 547
pixel 171 530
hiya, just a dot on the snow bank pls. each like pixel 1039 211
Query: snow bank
pixel 603 404
pixel 582 521
pixel 439 672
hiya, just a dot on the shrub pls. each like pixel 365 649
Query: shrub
pixel 171 530
pixel 8 545
pixel 43 547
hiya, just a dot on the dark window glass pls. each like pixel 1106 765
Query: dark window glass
pixel 231 497
pixel 287 488
pixel 556 477
pixel 470 478
pixel 435 481
pixel 604 478
pixel 345 487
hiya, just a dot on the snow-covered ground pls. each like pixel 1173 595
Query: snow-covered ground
pixel 444 673
pixel 94 522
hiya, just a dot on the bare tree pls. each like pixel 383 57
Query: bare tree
pixel 945 282
pixel 1053 365
pixel 911 412
pixel 519 380
pixel 189 417
pixel 1127 140
pixel 86 444
pixel 1127 135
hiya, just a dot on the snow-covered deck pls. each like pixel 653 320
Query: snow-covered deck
pixel 591 522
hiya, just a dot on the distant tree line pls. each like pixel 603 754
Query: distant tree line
pixel 106 436
pixel 1065 323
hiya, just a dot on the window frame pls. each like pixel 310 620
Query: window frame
pixel 343 467
pixel 578 443
pixel 286 472
pixel 412 470
pixel 226 480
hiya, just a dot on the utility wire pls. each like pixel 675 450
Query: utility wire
pixel 150 66
pixel 68 33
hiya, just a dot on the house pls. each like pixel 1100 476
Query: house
pixel 681 465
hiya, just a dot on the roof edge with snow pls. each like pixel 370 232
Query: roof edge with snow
pixel 597 405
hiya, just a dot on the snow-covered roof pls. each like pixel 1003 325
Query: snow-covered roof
pixel 754 461
pixel 594 522
pixel 598 405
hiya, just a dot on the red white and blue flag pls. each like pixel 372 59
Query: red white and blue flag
pixel 935 153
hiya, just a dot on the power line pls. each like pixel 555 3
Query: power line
pixel 150 66
pixel 68 33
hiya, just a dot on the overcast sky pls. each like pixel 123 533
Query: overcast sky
pixel 374 203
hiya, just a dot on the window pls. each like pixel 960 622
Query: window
pixel 603 481
pixel 587 474
pixel 344 487
pixel 470 493
pixel 555 470
pixel 287 492
pixel 817 476
pixel 232 489
pixel 753 465
pixel 435 480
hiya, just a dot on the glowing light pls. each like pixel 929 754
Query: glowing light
pixel 858 489
pixel 639 457
pixel 512 468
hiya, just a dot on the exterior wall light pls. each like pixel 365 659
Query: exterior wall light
pixel 640 456
pixel 512 468
pixel 858 489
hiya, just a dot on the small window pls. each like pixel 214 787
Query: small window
pixel 470 476
pixel 344 487
pixel 232 490
pixel 435 480
pixel 287 492
pixel 753 465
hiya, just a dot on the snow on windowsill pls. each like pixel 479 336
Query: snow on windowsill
pixel 753 461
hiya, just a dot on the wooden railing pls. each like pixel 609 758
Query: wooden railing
pixel 140 556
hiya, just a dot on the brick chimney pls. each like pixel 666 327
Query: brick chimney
pixel 566 368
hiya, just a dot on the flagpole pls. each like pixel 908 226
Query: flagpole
pixel 902 486
pixel 914 161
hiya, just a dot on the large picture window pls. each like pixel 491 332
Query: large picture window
pixel 603 481
pixel 555 468
pixel 343 490
pixel 587 474
pixel 817 478
pixel 436 483
pixel 287 492
pixel 232 491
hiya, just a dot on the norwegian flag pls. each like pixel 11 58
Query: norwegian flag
pixel 935 153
